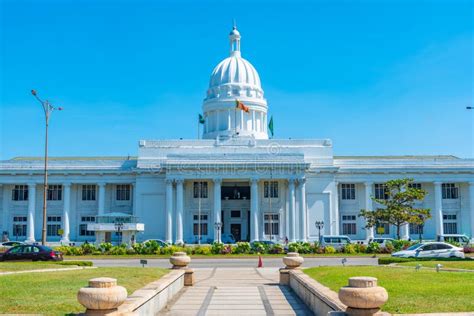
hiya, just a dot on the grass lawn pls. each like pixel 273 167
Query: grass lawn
pixel 54 293
pixel 19 266
pixel 425 291
pixel 468 265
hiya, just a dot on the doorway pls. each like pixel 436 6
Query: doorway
pixel 236 231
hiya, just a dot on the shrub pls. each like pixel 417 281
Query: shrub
pixel 169 250
pixel 276 249
pixel 226 250
pixel 300 247
pixel 349 248
pixel 373 247
pixel 401 244
pixel 389 248
pixel 468 249
pixel 360 248
pixel 202 250
pixel 217 248
pixel 76 263
pixel 88 249
pixel 241 247
pixel 105 246
pixel 388 260
pixel 329 250
pixel 258 247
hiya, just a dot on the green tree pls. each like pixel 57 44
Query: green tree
pixel 398 207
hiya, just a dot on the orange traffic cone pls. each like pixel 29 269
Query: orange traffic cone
pixel 260 262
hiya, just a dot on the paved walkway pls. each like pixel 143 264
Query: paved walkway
pixel 236 291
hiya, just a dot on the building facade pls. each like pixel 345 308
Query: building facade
pixel 255 187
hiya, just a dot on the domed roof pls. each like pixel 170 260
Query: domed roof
pixel 235 70
pixel 234 76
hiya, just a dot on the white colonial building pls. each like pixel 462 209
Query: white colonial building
pixel 257 188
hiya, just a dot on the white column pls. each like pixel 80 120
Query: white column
pixel 217 208
pixel 337 214
pixel 229 120
pixel 101 198
pixel 254 221
pixel 265 125
pixel 217 121
pixel 302 204
pixel 169 211
pixel 291 196
pixel 66 207
pixel 368 206
pixel 31 212
pixel 471 207
pixel 438 211
pixel 287 213
pixel 242 120
pixel 405 231
pixel 179 211
pixel 253 121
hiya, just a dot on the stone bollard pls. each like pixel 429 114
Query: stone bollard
pixel 102 296
pixel 291 261
pixel 363 297
pixel 180 260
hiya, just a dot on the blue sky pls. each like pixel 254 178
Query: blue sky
pixel 377 77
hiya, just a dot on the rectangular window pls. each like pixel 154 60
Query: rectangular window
pixel 349 225
pixel 450 225
pixel 20 193
pixel 382 229
pixel 88 192
pixel 416 229
pixel 123 192
pixel 270 189
pixel 55 192
pixel 203 223
pixel 235 214
pixel 83 226
pixel 415 185
pixel 54 225
pixel 19 226
pixel 200 186
pixel 381 191
pixel 348 191
pixel 450 191
pixel 272 224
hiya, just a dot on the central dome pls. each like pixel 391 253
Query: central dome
pixel 235 70
pixel 234 105
pixel 234 76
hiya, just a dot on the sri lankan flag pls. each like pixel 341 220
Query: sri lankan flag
pixel 239 105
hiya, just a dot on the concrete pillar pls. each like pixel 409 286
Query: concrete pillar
pixel 254 221
pixel 336 213
pixel 66 207
pixel 471 207
pixel 179 211
pixel 291 196
pixel 30 236
pixel 242 128
pixel 169 211
pixel 217 209
pixel 302 212
pixel 101 198
pixel 438 210
pixel 134 198
pixel 369 207
pixel 253 121
pixel 229 120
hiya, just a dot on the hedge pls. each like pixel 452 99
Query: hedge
pixel 76 263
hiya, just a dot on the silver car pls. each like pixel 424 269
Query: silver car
pixel 431 250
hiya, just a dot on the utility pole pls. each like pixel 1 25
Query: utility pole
pixel 48 109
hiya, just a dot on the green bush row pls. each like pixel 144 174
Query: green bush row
pixel 152 247
pixel 76 263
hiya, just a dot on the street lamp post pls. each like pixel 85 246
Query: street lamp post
pixel 218 226
pixel 48 109
pixel 319 225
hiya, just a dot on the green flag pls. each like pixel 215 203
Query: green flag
pixel 270 125
pixel 202 120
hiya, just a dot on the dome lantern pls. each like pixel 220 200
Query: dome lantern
pixel 234 37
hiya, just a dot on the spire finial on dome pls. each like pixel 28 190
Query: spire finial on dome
pixel 234 37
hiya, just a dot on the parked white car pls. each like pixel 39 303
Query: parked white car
pixel 338 241
pixel 382 241
pixel 431 250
